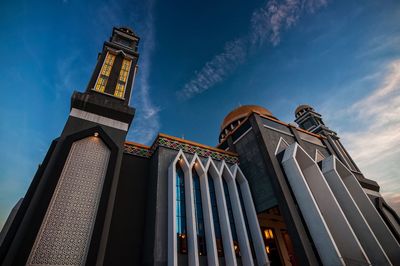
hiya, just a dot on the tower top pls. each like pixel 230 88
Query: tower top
pixel 307 118
pixel 109 89
pixel 302 109
pixel 124 38
pixel 127 30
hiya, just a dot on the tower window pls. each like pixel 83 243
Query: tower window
pixel 201 239
pixel 123 76
pixel 180 210
pixel 104 73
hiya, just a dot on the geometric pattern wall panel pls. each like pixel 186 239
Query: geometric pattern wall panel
pixel 65 233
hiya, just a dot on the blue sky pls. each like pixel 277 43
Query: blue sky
pixel 198 61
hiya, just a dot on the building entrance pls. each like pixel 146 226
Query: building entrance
pixel 278 244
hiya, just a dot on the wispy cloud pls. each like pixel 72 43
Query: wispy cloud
pixel 67 70
pixel 217 69
pixel 146 123
pixel 374 143
pixel 266 25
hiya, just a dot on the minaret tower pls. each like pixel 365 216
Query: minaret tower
pixel 65 216
pixel 109 90
pixel 307 118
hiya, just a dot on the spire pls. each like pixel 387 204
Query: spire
pixel 307 118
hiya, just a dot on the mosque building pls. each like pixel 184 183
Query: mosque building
pixel 270 193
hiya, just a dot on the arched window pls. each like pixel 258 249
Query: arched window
pixel 201 240
pixel 181 210
pixel 231 221
pixel 217 226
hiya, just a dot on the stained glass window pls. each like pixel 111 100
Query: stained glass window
pixel 201 240
pixel 180 210
pixel 105 72
pixel 230 215
pixel 217 226
pixel 123 76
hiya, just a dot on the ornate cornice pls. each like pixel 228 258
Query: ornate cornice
pixel 174 143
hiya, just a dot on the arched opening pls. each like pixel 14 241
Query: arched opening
pixel 181 211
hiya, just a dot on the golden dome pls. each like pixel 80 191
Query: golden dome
pixel 302 107
pixel 243 112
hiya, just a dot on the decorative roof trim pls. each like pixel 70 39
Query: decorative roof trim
pixel 174 143
pixel 137 149
pixel 288 125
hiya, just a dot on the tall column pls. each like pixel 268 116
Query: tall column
pixel 376 238
pixel 241 231
pixel 212 256
pixel 191 220
pixel 312 196
pixel 258 242
pixel 227 240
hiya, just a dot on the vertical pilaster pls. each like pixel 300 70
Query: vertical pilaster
pixel 227 240
pixel 212 256
pixel 299 165
pixel 323 240
pixel 258 242
pixel 191 220
pixel 334 171
pixel 240 224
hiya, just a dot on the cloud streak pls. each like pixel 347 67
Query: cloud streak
pixel 146 123
pixel 374 143
pixel 266 25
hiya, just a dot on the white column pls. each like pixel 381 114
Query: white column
pixel 245 250
pixel 254 226
pixel 191 220
pixel 320 234
pixel 172 242
pixel 372 231
pixel 337 223
pixel 331 168
pixel 227 241
pixel 212 256
pixel 190 216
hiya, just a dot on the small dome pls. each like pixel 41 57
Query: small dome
pixel 127 30
pixel 302 107
pixel 243 112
